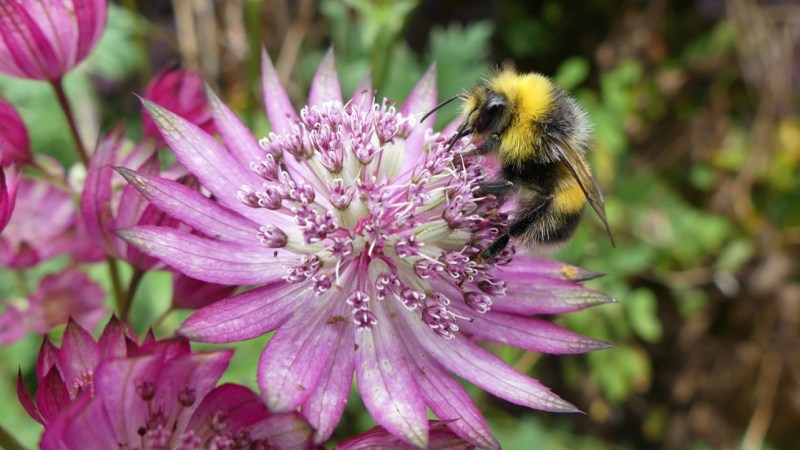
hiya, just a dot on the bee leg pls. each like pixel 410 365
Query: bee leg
pixel 499 187
pixel 528 214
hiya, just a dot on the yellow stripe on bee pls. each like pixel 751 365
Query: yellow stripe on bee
pixel 570 199
pixel 530 97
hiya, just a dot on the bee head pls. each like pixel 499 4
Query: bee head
pixel 491 114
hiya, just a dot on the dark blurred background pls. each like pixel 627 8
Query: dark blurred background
pixel 697 150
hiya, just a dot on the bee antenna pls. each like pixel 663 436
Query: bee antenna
pixel 444 103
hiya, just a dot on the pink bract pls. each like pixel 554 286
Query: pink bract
pixel 15 144
pixel 182 92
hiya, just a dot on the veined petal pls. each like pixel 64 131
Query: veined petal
pixel 421 100
pixel 280 112
pixel 26 401
pixel 363 94
pixel 96 198
pixel 525 266
pixel 216 169
pixel 325 85
pixel 52 396
pixel 236 136
pixel 78 355
pixel 530 334
pixel 286 430
pixel 84 425
pixel 388 388
pixel 193 208
pixel 485 370
pixel 296 355
pixel 543 295
pixel 244 316
pixel 449 401
pixel 206 259
pixel 378 438
pixel 25 50
pixel 324 407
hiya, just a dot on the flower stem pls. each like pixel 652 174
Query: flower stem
pixel 8 442
pixel 116 285
pixel 58 86
pixel 136 279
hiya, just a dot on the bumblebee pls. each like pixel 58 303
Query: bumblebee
pixel 539 136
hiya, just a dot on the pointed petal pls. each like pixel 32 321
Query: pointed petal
pixel 244 316
pixel 536 294
pixel 324 407
pixel 386 383
pixel 363 95
pixel 193 208
pixel 84 425
pixel 485 370
pixel 189 293
pixel 96 198
pixel 325 85
pixel 279 109
pixel 243 406
pixel 202 155
pixel 293 361
pixel 421 100
pixel 48 357
pixel 26 401
pixel 236 136
pixel 206 259
pixel 52 396
pixel 525 266
pixel 79 354
pixel 530 334
pixel 113 341
pixel 287 430
pixel 378 438
pixel 449 401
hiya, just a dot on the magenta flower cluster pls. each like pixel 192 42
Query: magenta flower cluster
pixel 351 231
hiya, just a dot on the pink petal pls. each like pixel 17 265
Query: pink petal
pixel 9 183
pixel 25 50
pixel 15 144
pixel 84 425
pixel 530 334
pixel 525 266
pixel 113 343
pixel 279 109
pixel 485 370
pixel 386 383
pixel 188 293
pixel 449 401
pixel 325 85
pixel 378 438
pixel 52 396
pixel 206 259
pixel 324 407
pixel 62 295
pixel 421 100
pixel 236 136
pixel 193 208
pixel 79 354
pixel 537 294
pixel 202 155
pixel 96 199
pixel 287 430
pixel 244 316
pixel 26 401
pixel 293 361
pixel 363 95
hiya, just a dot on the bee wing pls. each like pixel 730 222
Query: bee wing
pixel 576 164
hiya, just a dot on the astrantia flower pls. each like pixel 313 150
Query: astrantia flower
pixel 45 224
pixel 15 144
pixel 59 296
pixel 116 393
pixel 44 39
pixel 182 92
pixel 9 183
pixel 359 227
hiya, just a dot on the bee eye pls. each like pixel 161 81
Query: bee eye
pixel 489 114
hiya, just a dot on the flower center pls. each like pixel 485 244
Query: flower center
pixel 373 224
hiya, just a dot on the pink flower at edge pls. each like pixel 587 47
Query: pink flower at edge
pixel 182 92
pixel 9 183
pixel 108 204
pixel 15 144
pixel 45 224
pixel 59 296
pixel 117 393
pixel 44 39
pixel 359 227
pixel 441 437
